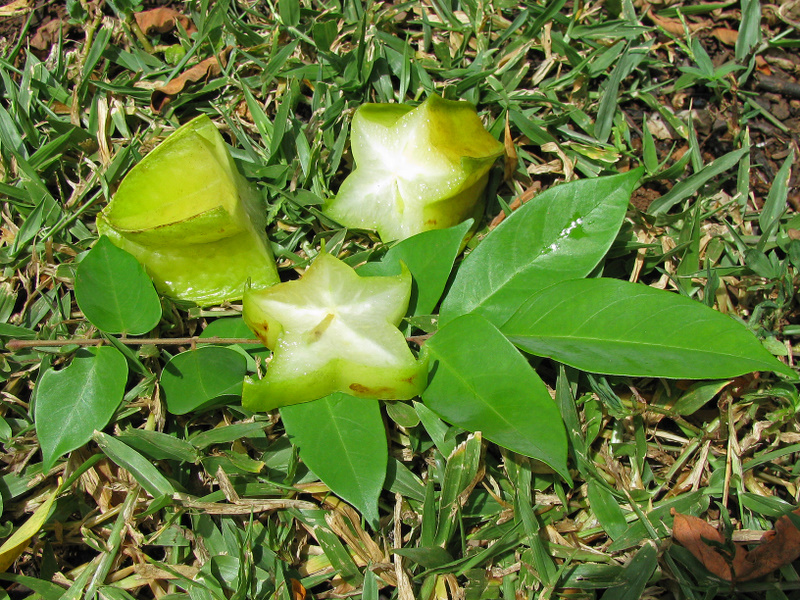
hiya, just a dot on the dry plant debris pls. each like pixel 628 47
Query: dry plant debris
pixel 777 548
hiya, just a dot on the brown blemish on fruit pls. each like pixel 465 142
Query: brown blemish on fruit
pixel 261 331
pixel 377 392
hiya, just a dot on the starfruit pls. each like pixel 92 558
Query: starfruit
pixel 188 215
pixel 416 169
pixel 330 331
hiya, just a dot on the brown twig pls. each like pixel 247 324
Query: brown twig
pixel 419 339
pixel 517 202
pixel 15 345
pixel 20 344
pixel 778 86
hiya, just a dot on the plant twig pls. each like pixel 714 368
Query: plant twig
pixel 778 86
pixel 15 344
pixel 20 344
pixel 419 339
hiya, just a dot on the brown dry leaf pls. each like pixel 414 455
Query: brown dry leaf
pixel 777 548
pixel 47 35
pixel 162 95
pixel 673 26
pixel 726 36
pixel 692 533
pixel 511 153
pixel 162 20
pixel 298 591
pixel 659 128
pixel 517 202
pixel 7 236
pixel 762 66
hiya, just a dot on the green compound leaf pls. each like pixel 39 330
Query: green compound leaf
pixel 480 382
pixel 429 256
pixel 75 401
pixel 114 292
pixel 194 379
pixel 342 440
pixel 560 234
pixel 621 328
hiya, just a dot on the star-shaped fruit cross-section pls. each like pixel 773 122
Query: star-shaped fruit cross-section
pixel 330 331
pixel 416 169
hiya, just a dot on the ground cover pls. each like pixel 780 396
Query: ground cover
pixel 174 499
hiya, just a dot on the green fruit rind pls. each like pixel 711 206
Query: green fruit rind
pixel 331 331
pixel 208 273
pixel 193 221
pixel 416 170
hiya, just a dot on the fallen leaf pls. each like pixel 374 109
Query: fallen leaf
pixel 16 544
pixel 517 202
pixel 658 127
pixel 47 35
pixel 163 94
pixel 511 153
pixel 694 534
pixel 777 548
pixel 298 591
pixel 726 36
pixel 762 66
pixel 162 20
pixel 673 26
pixel 678 154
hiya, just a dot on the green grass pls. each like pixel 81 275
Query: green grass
pixel 573 89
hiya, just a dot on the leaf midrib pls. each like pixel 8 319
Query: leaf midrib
pixel 606 341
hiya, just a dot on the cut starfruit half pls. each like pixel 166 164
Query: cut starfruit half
pixel 330 331
pixel 416 169
pixel 189 216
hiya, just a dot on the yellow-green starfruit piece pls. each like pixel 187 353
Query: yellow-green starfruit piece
pixel 416 169
pixel 195 223
pixel 330 331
